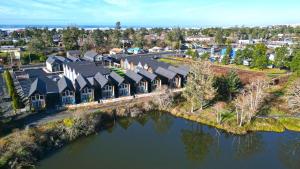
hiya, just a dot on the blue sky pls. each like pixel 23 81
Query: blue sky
pixel 151 12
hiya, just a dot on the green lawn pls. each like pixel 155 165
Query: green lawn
pixel 118 71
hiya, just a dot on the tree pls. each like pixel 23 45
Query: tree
pixel 219 37
pixel 260 59
pixel 165 100
pixel 195 55
pixel 250 100
pixel 295 63
pixel 199 87
pixel 293 97
pixel 70 38
pixel 205 56
pixel 226 58
pixel 281 57
pixel 239 58
pixel 228 86
pixel 36 45
pixel 118 25
pixel 219 110
pixel 99 38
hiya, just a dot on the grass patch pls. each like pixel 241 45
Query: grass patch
pixel 268 124
pixel 169 61
pixel 118 71
pixel 291 123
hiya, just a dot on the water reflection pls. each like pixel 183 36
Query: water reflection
pixel 248 145
pixel 125 122
pixel 289 152
pixel 196 143
pixel 162 123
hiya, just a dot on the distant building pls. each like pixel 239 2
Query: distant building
pixel 92 56
pixel 115 51
pixel 12 49
pixel 74 53
pixel 156 49
pixel 55 63
pixel 135 51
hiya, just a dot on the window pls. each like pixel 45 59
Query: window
pixel 68 97
pixel 107 91
pixel 124 89
pixel 142 87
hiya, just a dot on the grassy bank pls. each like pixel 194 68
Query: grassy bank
pixel 229 124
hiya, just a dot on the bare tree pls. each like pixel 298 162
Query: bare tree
pixel 218 110
pixel 199 88
pixel 294 97
pixel 250 101
pixel 165 100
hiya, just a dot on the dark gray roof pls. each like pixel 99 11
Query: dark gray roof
pixel 51 84
pixel 73 58
pixel 64 83
pixel 81 82
pixel 165 73
pixel 37 86
pixel 133 76
pixel 116 78
pixel 100 79
pixel 154 64
pixel 178 70
pixel 90 55
pixel 74 52
pixel 147 75
pixel 56 59
pixel 88 69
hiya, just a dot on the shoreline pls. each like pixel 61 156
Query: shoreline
pixel 270 124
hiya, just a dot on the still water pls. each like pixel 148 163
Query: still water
pixel 160 141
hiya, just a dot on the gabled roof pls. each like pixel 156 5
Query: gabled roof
pixel 116 78
pixel 37 86
pixel 133 76
pixel 56 59
pixel 178 70
pixel 147 75
pixel 88 69
pixel 100 79
pixel 154 64
pixel 165 73
pixel 74 52
pixel 74 58
pixel 81 82
pixel 64 83
pixel 90 55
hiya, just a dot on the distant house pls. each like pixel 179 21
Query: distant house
pixel 115 51
pixel 12 49
pixel 92 56
pixel 74 53
pixel 156 49
pixel 55 63
pixel 134 50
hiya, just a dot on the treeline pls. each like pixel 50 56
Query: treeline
pixel 16 104
pixel 258 58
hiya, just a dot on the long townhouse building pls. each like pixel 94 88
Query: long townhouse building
pixel 65 82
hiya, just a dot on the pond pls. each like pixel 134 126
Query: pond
pixel 161 141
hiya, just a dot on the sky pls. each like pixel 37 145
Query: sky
pixel 183 13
